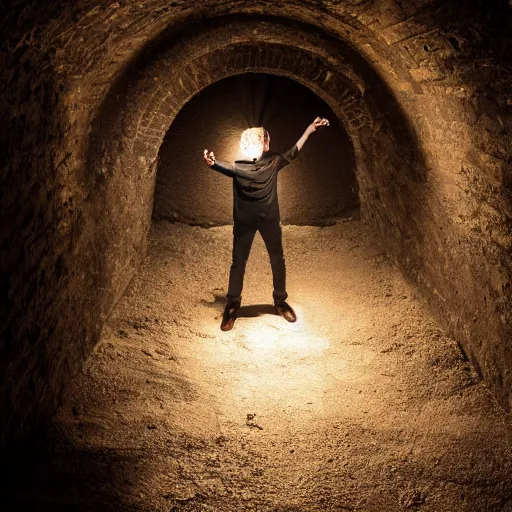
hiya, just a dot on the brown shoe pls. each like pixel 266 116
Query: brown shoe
pixel 286 311
pixel 229 316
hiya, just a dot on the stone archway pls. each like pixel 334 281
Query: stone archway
pixel 138 112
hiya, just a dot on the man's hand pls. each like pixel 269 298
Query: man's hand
pixel 318 122
pixel 209 158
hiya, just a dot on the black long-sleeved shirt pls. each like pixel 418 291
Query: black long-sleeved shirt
pixel 255 185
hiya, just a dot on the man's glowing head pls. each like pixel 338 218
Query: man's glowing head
pixel 254 141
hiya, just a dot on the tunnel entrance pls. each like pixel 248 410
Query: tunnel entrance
pixel 320 187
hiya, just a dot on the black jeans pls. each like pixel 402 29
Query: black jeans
pixel 243 236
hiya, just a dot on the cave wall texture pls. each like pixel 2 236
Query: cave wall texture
pixel 89 89
pixel 320 185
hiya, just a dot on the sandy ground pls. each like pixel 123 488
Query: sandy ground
pixel 362 405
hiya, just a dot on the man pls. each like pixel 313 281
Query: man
pixel 256 208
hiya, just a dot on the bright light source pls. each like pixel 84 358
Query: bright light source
pixel 252 151
pixel 252 142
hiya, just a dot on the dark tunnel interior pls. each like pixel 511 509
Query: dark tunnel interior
pixel 321 187
pixel 392 390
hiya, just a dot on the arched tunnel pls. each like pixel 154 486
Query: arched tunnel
pixel 393 389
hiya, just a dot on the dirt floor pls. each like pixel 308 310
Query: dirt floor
pixel 362 405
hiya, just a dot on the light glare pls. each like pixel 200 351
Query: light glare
pixel 251 151
pixel 252 142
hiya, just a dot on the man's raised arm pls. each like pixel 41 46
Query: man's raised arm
pixel 317 123
pixel 292 153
